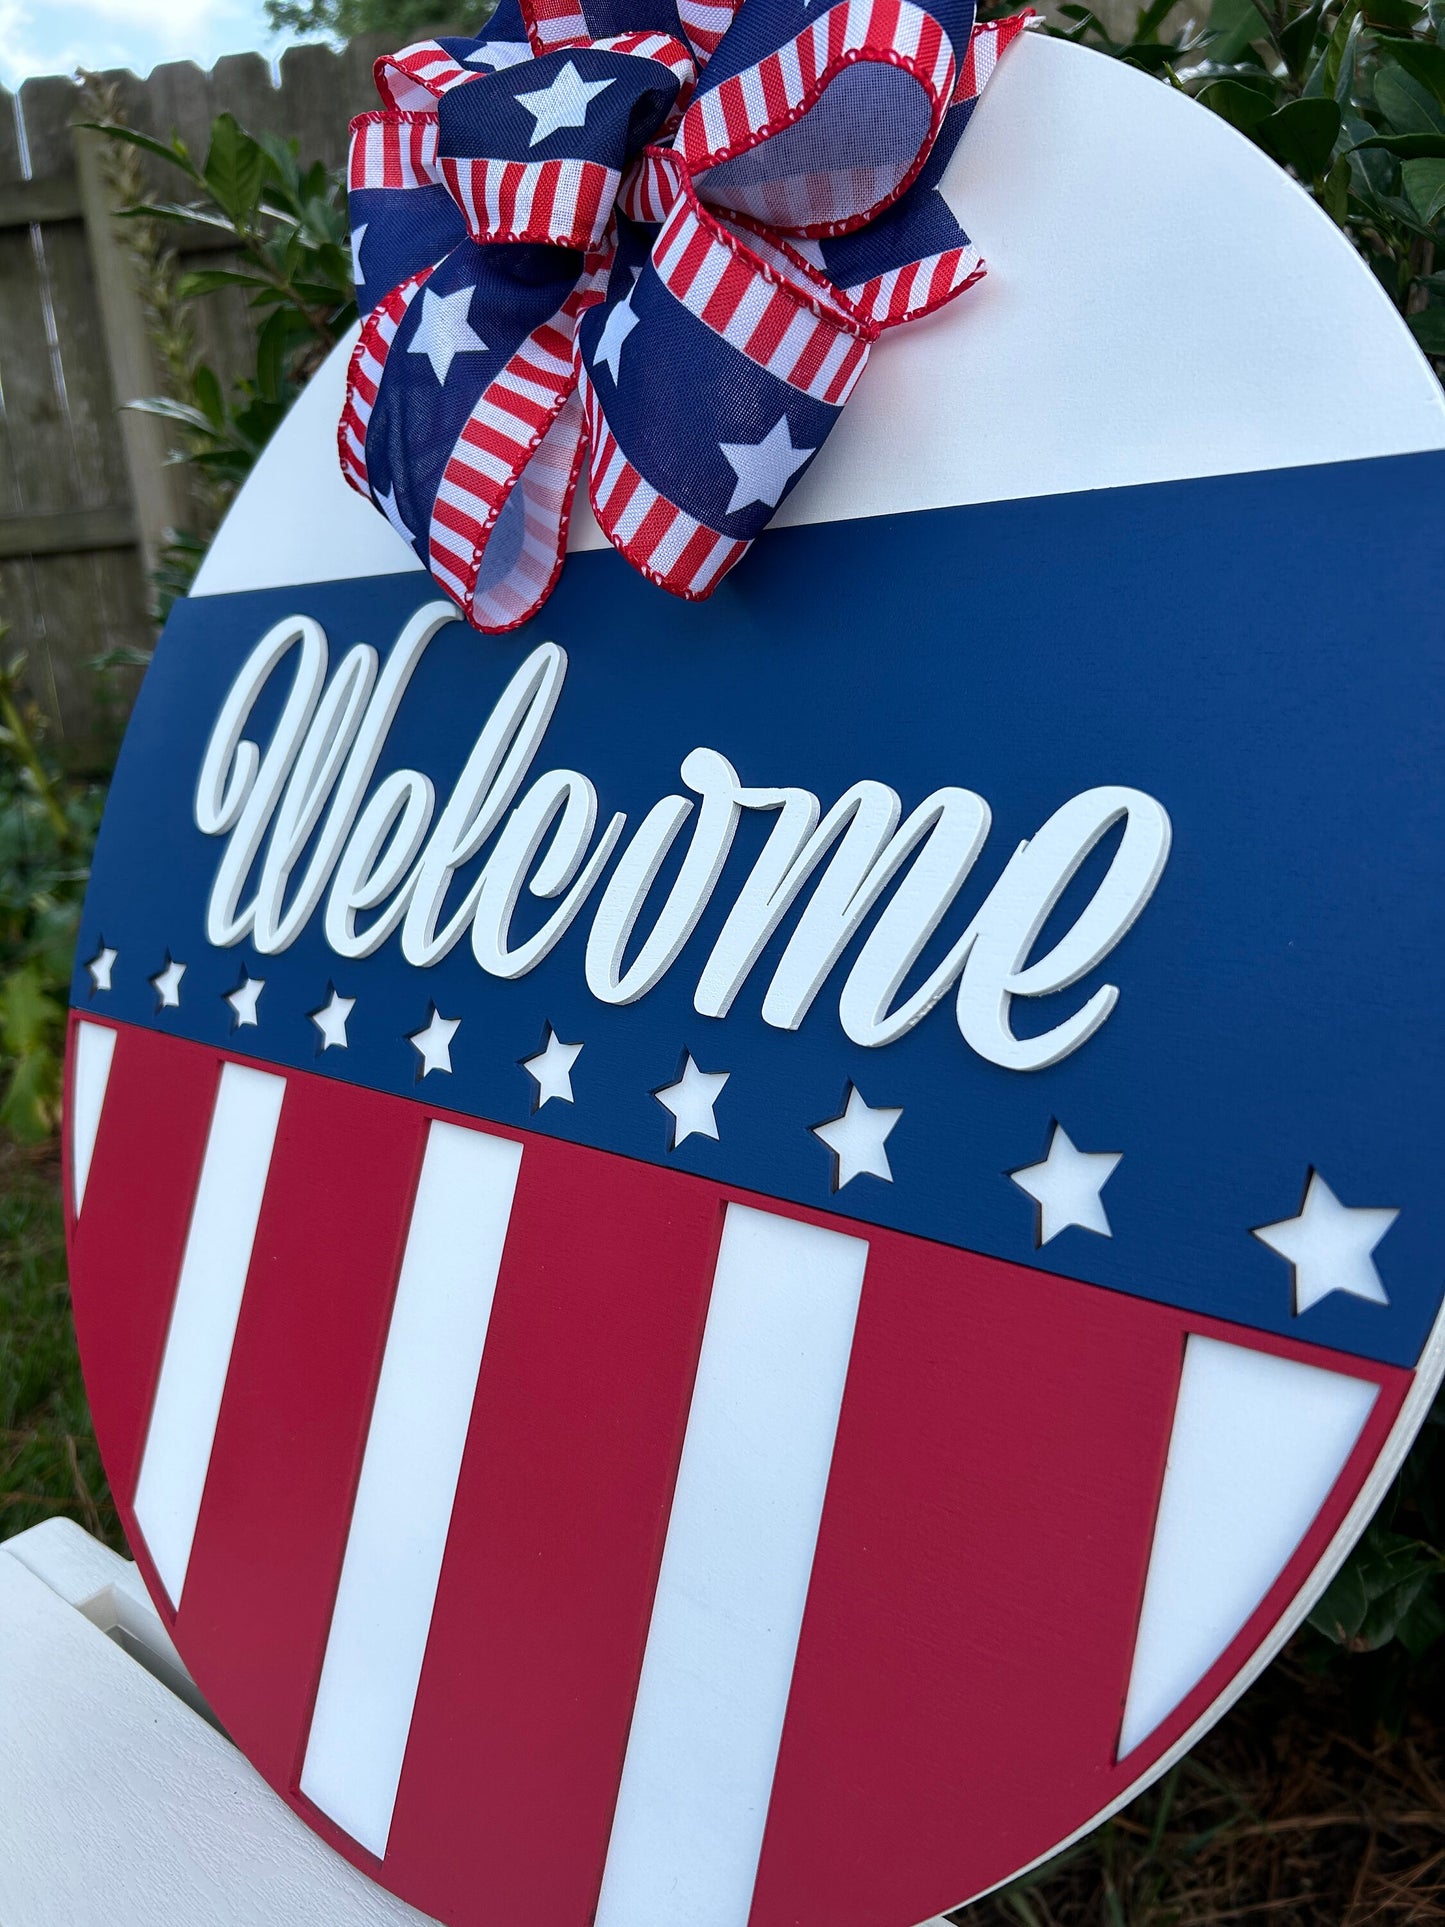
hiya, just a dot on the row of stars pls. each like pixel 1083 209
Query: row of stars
pixel 1328 1245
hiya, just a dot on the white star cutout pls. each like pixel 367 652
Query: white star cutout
pixel 100 967
pixel 167 984
pixel 763 468
pixel 330 1020
pixel 857 1140
pixel 691 1100
pixel 500 54
pixel 1330 1246
pixel 551 1070
pixel 434 1043
pixel 620 323
pixel 1066 1187
pixel 445 330
pixel 387 504
pixel 244 999
pixel 563 104
pixel 358 235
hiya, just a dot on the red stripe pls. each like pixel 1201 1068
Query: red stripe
pixel 811 356
pixel 693 255
pixel 775 92
pixel 293 1421
pixel 126 1251
pixel 1018 1561
pixel 733 284
pixel 735 113
pixel 656 524
pixel 541 1616
pixel 773 323
pixel 481 435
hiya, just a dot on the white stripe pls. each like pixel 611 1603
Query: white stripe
pixel 792 73
pixel 704 282
pixel 94 1050
pixel 719 1662
pixel 408 1483
pixel 830 365
pixel 909 31
pixel 751 83
pixel 671 545
pixel 707 570
pixel 797 337
pixel 639 507
pixel 202 1330
pixel 522 201
pixel 714 121
pixel 1257 1445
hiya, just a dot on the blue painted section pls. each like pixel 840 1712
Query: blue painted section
pixel 1263 653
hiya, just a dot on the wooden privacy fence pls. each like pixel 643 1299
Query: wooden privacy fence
pixel 86 493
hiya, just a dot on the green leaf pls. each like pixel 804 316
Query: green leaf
pixel 1336 195
pixel 1302 134
pixel 174 152
pixel 31 1109
pixel 1425 185
pixel 207 386
pixel 29 1017
pixel 190 216
pixel 1407 147
pixel 1422 59
pixel 1406 105
pixel 1402 15
pixel 208 280
pixel 1333 73
pixel 236 169
pixel 271 349
pixel 1234 24
pixel 1241 105
pixel 1428 328
pixel 171 411
pixel 1374 1593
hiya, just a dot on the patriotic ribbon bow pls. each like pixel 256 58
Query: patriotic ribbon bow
pixel 670 241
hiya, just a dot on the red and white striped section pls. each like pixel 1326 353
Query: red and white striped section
pixel 705 22
pixel 986 46
pixel 524 435
pixel 572 1539
pixel 554 23
pixel 363 377
pixel 756 105
pixel 904 294
pixel 419 75
pixel 566 202
pixel 666 50
pixel 783 327
pixel 390 149
pixel 669 546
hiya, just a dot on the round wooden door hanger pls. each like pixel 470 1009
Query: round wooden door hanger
pixel 738 1261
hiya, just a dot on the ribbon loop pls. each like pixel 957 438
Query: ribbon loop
pixel 818 134
pixel 542 163
pixel 561 247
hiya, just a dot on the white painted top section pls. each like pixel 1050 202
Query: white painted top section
pixel 1257 1445
pixel 1163 302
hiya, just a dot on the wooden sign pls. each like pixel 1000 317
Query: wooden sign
pixel 738 1261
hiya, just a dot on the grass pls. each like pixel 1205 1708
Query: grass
pixel 48 1459
pixel 1300 1809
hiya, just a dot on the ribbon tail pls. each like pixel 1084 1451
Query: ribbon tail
pixel 753 361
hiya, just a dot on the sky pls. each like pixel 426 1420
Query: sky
pixel 56 36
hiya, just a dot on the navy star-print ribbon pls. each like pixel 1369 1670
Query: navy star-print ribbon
pixel 662 233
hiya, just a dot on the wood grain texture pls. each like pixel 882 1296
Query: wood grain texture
pixel 86 492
